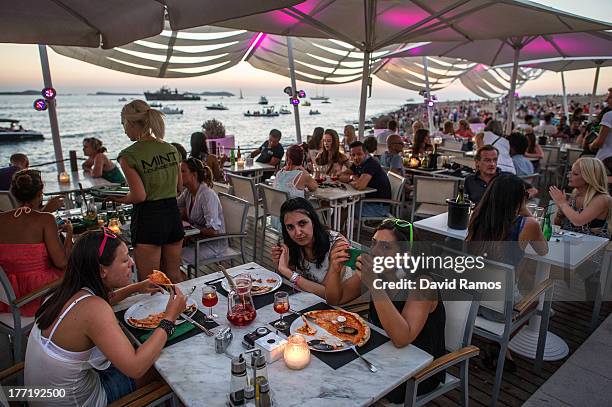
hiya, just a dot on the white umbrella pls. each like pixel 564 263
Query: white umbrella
pixel 573 64
pixel 109 23
pixel 374 24
pixel 512 49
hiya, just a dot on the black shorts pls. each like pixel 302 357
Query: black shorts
pixel 156 222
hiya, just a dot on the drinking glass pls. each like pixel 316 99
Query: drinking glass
pixel 210 299
pixel 281 305
pixel 101 220
pixel 531 207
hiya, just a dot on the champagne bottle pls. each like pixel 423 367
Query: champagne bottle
pixel 460 199
pixel 238 155
pixel 232 157
pixel 547 228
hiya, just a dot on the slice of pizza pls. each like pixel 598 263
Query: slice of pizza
pixel 328 320
pixel 160 278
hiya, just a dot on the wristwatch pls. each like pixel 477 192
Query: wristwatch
pixel 167 326
pixel 294 278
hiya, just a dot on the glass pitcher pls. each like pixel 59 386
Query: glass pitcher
pixel 90 209
pixel 240 307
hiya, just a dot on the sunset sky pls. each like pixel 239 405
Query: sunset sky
pixel 21 70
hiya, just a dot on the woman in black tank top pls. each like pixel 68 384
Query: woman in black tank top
pixel 408 317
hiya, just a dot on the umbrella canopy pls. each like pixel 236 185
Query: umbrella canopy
pixel 111 23
pixel 374 24
pixel 501 51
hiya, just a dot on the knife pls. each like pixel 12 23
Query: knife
pixel 196 324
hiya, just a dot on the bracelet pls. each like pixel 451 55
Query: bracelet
pixel 294 278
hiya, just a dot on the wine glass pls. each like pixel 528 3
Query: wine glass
pixel 210 299
pixel 281 305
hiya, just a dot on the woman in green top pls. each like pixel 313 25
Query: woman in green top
pixel 98 164
pixel 152 169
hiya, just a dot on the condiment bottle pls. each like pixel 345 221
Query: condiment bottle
pixel 249 397
pixel 238 381
pixel 260 371
pixel 264 392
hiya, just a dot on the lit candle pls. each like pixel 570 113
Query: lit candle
pixel 414 162
pixel 240 162
pixel 113 225
pixel 64 178
pixel 297 353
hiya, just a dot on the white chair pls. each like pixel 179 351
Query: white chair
pixel 514 315
pixel 430 195
pixel 272 200
pixel 397 200
pixel 234 215
pixel 465 161
pixel 550 163
pixel 452 145
pixel 7 201
pixel 244 188
pixel 460 317
pixel 221 187
pixel 13 323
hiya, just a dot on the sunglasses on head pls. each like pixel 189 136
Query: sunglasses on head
pixel 107 234
pixel 400 223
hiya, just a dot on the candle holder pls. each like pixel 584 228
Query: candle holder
pixel 240 163
pixel 297 353
pixel 64 178
pixel 114 226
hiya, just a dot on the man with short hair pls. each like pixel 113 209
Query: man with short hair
pixel 17 162
pixel 391 159
pixel 271 151
pixel 366 172
pixel 476 184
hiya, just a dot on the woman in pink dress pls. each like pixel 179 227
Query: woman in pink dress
pixel 31 253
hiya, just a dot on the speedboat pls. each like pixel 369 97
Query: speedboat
pixel 16 132
pixel 157 105
pixel 171 110
pixel 216 106
pixel 326 101
pixel 312 112
pixel 306 103
pixel 284 110
pixel 267 112
pixel 263 100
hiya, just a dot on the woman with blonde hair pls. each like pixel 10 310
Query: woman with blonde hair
pixel 151 167
pixel 98 164
pixel 330 156
pixel 589 209
pixel 349 136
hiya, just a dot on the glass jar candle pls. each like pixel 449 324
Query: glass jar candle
pixel 297 353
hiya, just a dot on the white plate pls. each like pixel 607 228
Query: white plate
pixel 153 305
pixel 256 273
pixel 321 334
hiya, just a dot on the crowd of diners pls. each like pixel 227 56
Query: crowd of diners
pixel 76 339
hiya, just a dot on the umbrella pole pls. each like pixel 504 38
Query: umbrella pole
pixel 57 143
pixel 427 89
pixel 296 111
pixel 364 93
pixel 594 90
pixel 511 100
pixel 565 107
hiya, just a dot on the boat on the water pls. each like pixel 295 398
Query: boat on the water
pixel 216 106
pixel 263 100
pixel 166 94
pixel 171 110
pixel 267 112
pixel 306 103
pixel 157 105
pixel 284 110
pixel 313 112
pixel 326 101
pixel 16 132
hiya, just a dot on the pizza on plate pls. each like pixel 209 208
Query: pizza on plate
pixel 158 277
pixel 153 320
pixel 328 320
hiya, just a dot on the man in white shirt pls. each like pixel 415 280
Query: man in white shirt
pixel 604 139
pixel 547 128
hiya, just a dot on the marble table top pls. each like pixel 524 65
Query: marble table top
pixel 564 251
pixel 53 186
pixel 201 377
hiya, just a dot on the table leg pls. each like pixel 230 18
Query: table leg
pixel 350 206
pixel 525 342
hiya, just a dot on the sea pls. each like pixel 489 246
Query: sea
pixel 82 116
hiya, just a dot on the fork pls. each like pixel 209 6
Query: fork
pixel 351 345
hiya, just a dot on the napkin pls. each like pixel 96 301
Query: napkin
pixel 180 330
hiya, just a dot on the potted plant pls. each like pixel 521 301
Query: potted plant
pixel 213 129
